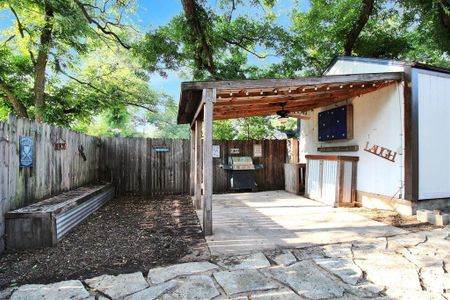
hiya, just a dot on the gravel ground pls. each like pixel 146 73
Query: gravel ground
pixel 128 234
pixel 393 218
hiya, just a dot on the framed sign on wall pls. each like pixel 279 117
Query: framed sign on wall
pixel 257 150
pixel 25 152
pixel 216 151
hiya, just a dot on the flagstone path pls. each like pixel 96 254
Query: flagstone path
pixel 406 266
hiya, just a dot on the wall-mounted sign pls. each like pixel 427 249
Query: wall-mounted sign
pixel 234 150
pixel 60 144
pixel 25 152
pixel 161 149
pixel 216 151
pixel 381 152
pixel 257 150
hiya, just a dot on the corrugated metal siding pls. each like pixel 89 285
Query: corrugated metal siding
pixel 347 182
pixel 71 218
pixel 329 182
pixel 313 184
pixel 433 92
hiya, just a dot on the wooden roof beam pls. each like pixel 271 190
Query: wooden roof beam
pixel 277 83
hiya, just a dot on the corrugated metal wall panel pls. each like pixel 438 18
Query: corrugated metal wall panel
pixel 313 184
pixel 347 182
pixel 329 182
pixel 71 218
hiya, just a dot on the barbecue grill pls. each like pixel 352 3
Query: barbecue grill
pixel 242 172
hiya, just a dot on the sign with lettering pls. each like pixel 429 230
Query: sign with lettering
pixel 257 150
pixel 381 152
pixel 161 149
pixel 25 152
pixel 234 150
pixel 216 151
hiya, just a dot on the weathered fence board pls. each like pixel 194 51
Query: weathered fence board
pixel 142 166
pixel 53 172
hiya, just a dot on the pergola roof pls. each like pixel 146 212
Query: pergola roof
pixel 263 97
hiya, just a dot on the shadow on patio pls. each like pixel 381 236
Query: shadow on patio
pixel 249 222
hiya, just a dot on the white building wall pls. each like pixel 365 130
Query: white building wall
pixel 378 119
pixel 433 92
pixel 342 67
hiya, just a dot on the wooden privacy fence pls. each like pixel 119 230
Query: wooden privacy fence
pixel 52 172
pixel 64 160
pixel 273 155
pixel 146 166
pixel 162 166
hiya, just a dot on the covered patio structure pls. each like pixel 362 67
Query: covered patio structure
pixel 202 102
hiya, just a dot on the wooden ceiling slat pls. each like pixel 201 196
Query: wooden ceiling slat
pixel 290 97
pixel 299 94
pixel 290 105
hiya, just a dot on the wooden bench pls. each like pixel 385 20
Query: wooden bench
pixel 44 223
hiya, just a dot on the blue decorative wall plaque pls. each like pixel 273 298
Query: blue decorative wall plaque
pixel 25 151
pixel 333 124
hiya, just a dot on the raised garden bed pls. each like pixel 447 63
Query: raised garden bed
pixel 46 222
pixel 128 234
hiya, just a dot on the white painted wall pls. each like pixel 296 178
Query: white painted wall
pixel 434 140
pixel 378 118
pixel 342 67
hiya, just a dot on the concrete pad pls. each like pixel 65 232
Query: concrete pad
pixel 118 286
pixel 152 292
pixel 161 274
pixel 308 280
pixel 242 281
pixel 388 269
pixel 247 262
pixel 249 222
pixel 199 287
pixel 71 289
pixel 402 294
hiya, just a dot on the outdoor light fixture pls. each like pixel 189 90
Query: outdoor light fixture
pixel 283 119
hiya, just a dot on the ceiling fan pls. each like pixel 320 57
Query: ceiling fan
pixel 285 114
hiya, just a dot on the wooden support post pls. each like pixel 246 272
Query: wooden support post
pixel 209 97
pixel 192 166
pixel 293 151
pixel 198 164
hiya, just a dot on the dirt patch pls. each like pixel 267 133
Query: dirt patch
pixel 128 234
pixel 393 218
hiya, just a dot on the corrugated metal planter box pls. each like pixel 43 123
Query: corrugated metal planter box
pixel 44 223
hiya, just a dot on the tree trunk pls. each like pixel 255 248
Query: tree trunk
pixel 18 106
pixel 352 36
pixel 195 16
pixel 444 15
pixel 41 64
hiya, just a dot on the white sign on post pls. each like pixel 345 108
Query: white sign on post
pixel 257 150
pixel 234 150
pixel 216 151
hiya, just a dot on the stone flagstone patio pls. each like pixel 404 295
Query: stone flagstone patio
pixel 405 266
